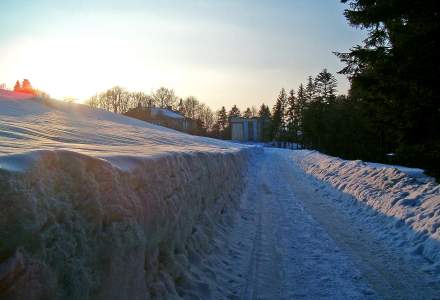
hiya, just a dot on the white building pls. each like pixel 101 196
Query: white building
pixel 246 129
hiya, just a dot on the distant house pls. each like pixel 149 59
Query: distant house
pixel 162 116
pixel 246 129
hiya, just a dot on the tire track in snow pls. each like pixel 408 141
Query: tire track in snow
pixel 278 251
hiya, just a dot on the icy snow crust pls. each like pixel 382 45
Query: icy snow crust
pixel 402 201
pixel 97 205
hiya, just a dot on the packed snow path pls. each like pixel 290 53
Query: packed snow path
pixel 288 242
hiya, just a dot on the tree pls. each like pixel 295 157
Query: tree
pixel 221 126
pixel 93 101
pixel 254 111
pixel 234 112
pixel 164 97
pixel 325 86
pixel 278 113
pixel 310 90
pixel 292 115
pixel 181 107
pixel 140 99
pixel 117 98
pixel 265 116
pixel 394 76
pixel 247 113
pixel 264 112
pixel 191 107
pixel 17 86
pixel 26 86
pixel 301 100
pixel 222 119
pixel 206 116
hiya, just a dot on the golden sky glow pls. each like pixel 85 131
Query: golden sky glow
pixel 224 53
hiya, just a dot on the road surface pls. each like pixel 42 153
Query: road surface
pixel 290 242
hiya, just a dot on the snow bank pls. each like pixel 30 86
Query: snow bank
pixel 402 199
pixel 96 205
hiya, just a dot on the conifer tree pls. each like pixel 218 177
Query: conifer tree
pixel 222 119
pixel 26 86
pixel 301 102
pixel 278 122
pixel 247 113
pixel 264 112
pixel 292 116
pixel 325 86
pixel 310 90
pixel 234 112
pixel 265 116
pixel 17 86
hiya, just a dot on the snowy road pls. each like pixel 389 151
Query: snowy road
pixel 289 242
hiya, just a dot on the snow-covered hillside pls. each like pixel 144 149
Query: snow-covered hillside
pixel 98 205
pixel 29 124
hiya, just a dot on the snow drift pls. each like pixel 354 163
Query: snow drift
pixel 403 200
pixel 96 205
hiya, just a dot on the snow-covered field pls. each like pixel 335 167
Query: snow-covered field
pixel 97 205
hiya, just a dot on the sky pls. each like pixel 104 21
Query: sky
pixel 223 52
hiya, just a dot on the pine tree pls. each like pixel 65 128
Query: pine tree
pixel 292 116
pixel 278 122
pixel 310 90
pixel 234 112
pixel 26 86
pixel 264 112
pixel 222 119
pixel 301 102
pixel 265 116
pixel 17 86
pixel 247 113
pixel 325 86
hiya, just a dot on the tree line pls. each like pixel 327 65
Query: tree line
pixel 393 105
pixel 392 111
pixel 209 123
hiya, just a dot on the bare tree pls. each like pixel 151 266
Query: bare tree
pixel 165 98
pixel 207 117
pixel 93 101
pixel 140 99
pixel 190 105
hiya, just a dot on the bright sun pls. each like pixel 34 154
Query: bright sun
pixel 79 66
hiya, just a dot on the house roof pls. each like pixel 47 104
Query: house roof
pixel 241 119
pixel 167 113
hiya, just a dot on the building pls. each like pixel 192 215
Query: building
pixel 164 117
pixel 246 129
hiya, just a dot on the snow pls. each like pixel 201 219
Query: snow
pixel 6 94
pixel 413 172
pixel 292 238
pixel 32 124
pixel 409 206
pixel 98 205
pixel 166 112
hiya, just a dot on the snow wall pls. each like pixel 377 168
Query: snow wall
pixel 79 227
pixel 403 200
